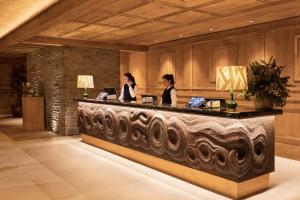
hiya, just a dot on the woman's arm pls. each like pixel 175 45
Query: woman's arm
pixel 173 98
pixel 121 97
pixel 133 92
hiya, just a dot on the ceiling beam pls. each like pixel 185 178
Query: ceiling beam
pixel 55 14
pixel 83 43
pixel 5 59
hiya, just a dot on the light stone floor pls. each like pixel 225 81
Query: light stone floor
pixel 42 166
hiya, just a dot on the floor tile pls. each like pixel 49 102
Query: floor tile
pixel 63 168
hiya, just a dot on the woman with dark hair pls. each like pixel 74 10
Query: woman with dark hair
pixel 169 96
pixel 129 89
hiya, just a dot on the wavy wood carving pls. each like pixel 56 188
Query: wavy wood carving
pixel 236 149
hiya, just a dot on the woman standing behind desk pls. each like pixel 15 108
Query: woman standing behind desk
pixel 129 89
pixel 169 96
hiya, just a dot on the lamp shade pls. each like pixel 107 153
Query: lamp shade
pixel 231 78
pixel 85 81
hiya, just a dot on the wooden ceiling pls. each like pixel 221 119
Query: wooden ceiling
pixel 132 24
pixel 16 12
pixel 144 22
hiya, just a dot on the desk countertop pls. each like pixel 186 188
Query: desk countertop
pixel 239 114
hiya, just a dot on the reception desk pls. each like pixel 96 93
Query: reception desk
pixel 229 153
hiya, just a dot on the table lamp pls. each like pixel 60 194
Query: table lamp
pixel 85 81
pixel 231 78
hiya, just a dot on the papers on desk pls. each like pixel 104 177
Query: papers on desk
pixel 112 97
pixel 147 99
pixel 213 104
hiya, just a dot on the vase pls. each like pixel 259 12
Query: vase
pixel 16 110
pixel 263 103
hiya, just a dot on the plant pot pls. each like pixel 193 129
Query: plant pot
pixel 16 110
pixel 263 103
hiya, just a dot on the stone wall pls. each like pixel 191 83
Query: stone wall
pixel 46 66
pixel 103 64
pixel 57 68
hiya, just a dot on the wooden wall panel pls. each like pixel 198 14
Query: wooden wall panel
pixel 201 62
pixel 183 66
pixel 135 63
pixel 152 70
pixel 280 43
pixel 250 48
pixel 288 125
pixel 222 56
pixel 137 66
pixel 166 65
pixel 124 65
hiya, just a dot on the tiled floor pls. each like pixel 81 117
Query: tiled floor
pixel 40 165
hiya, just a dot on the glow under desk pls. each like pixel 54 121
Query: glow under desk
pixel 229 153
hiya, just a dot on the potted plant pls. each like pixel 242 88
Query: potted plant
pixel 266 85
pixel 17 78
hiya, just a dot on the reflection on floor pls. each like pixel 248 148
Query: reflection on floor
pixel 42 165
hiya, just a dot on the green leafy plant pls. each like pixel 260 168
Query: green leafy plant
pixel 266 83
pixel 17 78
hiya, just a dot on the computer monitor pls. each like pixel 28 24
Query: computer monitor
pixel 200 102
pixel 149 99
pixel 110 91
pixel 196 102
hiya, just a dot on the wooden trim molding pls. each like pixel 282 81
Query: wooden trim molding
pixel 83 43
pixel 7 60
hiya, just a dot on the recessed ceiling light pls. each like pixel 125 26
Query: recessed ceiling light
pixel 180 35
pixel 211 29
pixel 251 21
pixel 155 40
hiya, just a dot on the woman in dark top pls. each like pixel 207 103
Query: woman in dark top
pixel 169 94
pixel 129 89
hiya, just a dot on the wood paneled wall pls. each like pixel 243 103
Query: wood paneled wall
pixel 135 63
pixel 194 63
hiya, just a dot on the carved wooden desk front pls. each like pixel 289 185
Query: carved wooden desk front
pixel 230 147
